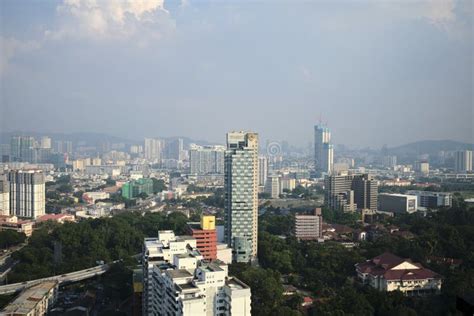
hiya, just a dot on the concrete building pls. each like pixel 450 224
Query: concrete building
pixel 272 186
pixel 133 189
pixel 4 196
pixel 241 195
pixel 350 192
pixel 22 148
pixel 177 281
pixel 262 171
pixel 34 301
pixel 323 150
pixel 422 167
pixel 432 200
pixel 174 149
pixel 309 227
pixel 206 236
pixel 388 273
pixel 205 160
pixel 287 183
pixel 397 203
pixel 27 193
pixel 463 161
pixel 154 149
pixel 20 226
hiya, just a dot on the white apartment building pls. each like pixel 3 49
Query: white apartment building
pixel 177 281
pixel 27 193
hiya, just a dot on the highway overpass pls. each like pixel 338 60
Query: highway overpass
pixel 65 278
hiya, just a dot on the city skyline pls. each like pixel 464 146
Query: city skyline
pixel 365 76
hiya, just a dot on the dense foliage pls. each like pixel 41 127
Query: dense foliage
pixel 326 271
pixel 9 238
pixel 81 245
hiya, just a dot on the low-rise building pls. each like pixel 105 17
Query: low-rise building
pixel 58 218
pixel 397 203
pixel 432 200
pixel 34 301
pixel 20 226
pixel 389 272
pixel 309 227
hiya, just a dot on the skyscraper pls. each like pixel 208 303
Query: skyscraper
pixel 463 161
pixel 153 149
pixel 45 142
pixel 27 193
pixel 241 195
pixel 22 148
pixel 262 170
pixel 323 150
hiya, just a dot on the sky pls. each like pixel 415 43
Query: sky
pixel 376 72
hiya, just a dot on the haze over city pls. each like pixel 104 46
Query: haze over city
pixel 376 73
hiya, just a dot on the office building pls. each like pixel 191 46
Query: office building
pixel 204 160
pixel 36 300
pixel 262 171
pixel 388 273
pixel 309 226
pixel 463 161
pixel 397 203
pixel 348 193
pixel 205 234
pixel 154 149
pixel 4 196
pixel 241 195
pixel 323 150
pixel 133 189
pixel 432 200
pixel 27 193
pixel 272 186
pixel 178 281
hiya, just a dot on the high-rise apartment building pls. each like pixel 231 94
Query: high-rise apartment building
pixel 241 195
pixel 4 195
pixel 262 171
pixel 323 150
pixel 309 227
pixel 174 149
pixel 350 192
pixel 22 148
pixel 154 149
pixel 205 160
pixel 463 161
pixel 27 193
pixel 45 142
pixel 178 281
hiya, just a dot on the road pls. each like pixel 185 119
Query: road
pixel 65 278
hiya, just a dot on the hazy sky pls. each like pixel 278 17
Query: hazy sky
pixel 378 72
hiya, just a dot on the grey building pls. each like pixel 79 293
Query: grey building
pixel 397 203
pixel 350 192
pixel 241 195
pixel 309 226
pixel 432 200
pixel 463 161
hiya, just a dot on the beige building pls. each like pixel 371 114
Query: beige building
pixel 4 196
pixel 309 227
pixel 34 301
pixel 388 272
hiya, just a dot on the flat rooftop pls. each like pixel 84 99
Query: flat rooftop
pixel 179 273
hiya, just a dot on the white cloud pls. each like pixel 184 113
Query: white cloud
pixel 114 19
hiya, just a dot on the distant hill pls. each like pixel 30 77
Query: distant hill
pixel 429 147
